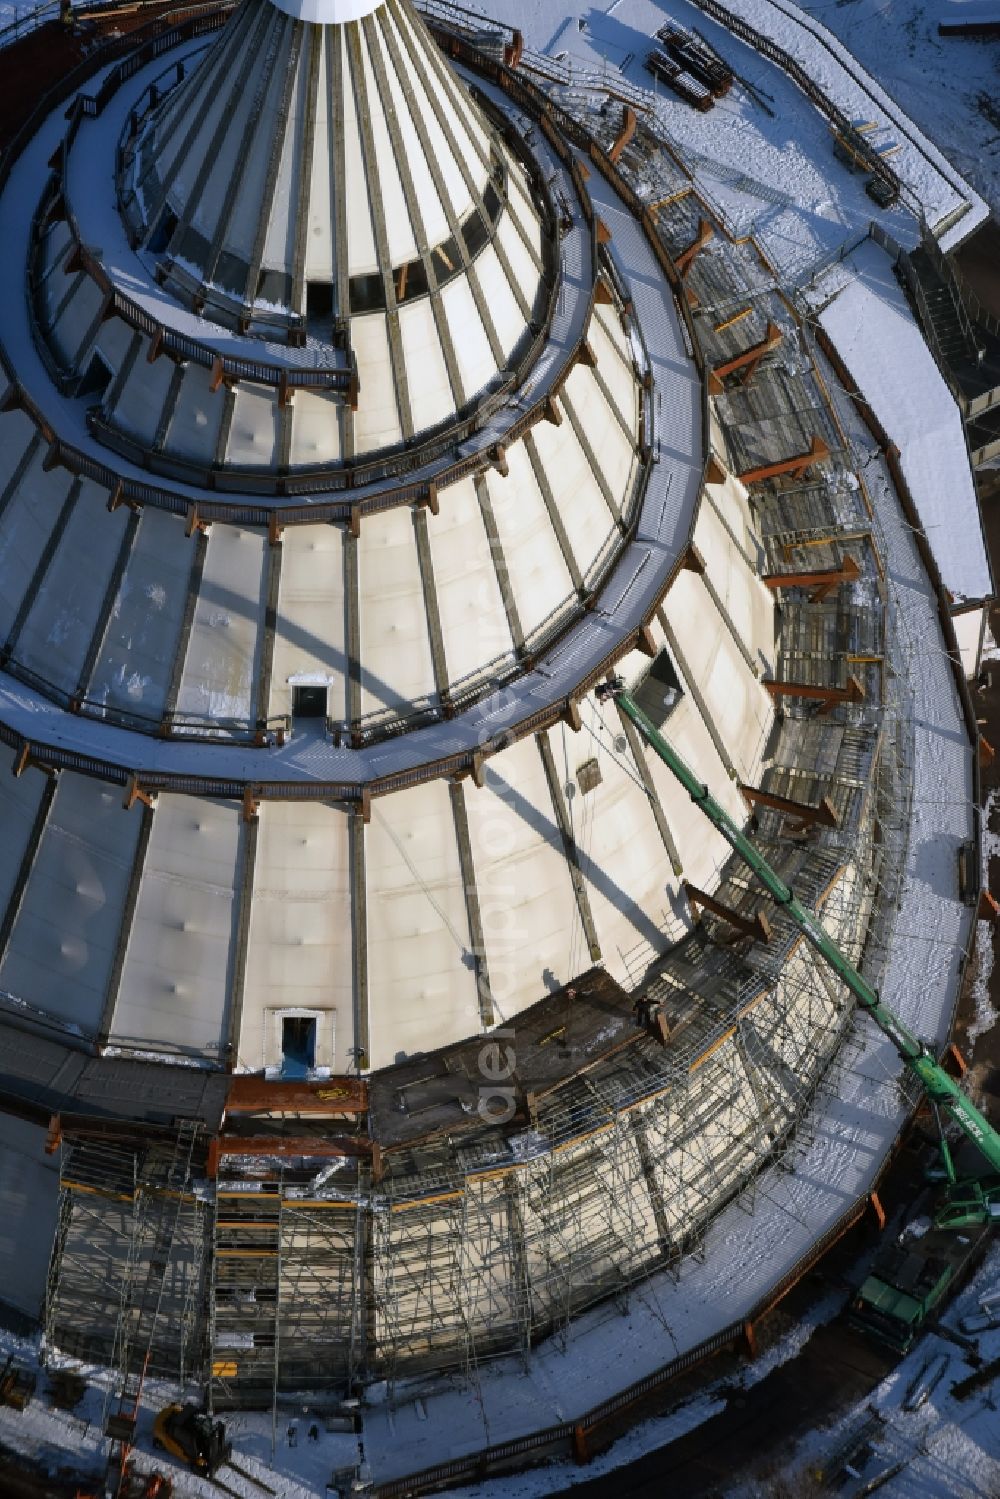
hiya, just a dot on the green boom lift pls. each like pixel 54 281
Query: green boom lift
pixel 970 1202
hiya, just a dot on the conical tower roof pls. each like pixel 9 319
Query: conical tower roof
pixel 339 180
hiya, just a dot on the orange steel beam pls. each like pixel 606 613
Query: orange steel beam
pixel 629 125
pixel 252 1094
pixel 748 361
pixel 823 582
pixel 797 466
pixel 514 50
pixel 685 259
pixel 829 697
pixel 756 927
pixel 824 815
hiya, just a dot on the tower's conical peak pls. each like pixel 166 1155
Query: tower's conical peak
pixel 325 170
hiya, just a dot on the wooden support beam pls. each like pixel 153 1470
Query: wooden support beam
pixel 756 927
pixel 829 697
pixel 433 499
pixel 822 583
pixel 136 793
pixel 955 1057
pixel 750 1339
pixel 499 459
pixel 647 642
pixel 571 716
pixel 251 805
pixel 604 235
pixel 587 356
pixel 748 362
pixel 355 523
pixel 53 1138
pixel 603 296
pixel 514 50
pixel 275 529
pixel 693 561
pixel 23 760
pixel 715 470
pixel 986 751
pixel 478 771
pixel 218 375
pixel 823 816
pixel 686 258
pixel 798 466
pixel 875 1203
pixel 194 523
pixel 553 412
pixel 118 497
pixel 625 134
pixel 989 908
pixel 155 347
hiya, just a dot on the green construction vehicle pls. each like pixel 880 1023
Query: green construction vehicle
pixel 906 1288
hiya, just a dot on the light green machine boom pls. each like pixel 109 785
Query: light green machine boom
pixel 967 1201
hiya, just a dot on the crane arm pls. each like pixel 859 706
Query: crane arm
pixel 941 1089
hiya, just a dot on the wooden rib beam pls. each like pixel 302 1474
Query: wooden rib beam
pixel 829 697
pixel 629 125
pixel 514 50
pixel 824 816
pixel 136 793
pixel 798 466
pixel 686 258
pixel 822 583
pixel 749 361
pixel 756 927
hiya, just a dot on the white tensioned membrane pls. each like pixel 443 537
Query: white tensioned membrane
pixel 327 12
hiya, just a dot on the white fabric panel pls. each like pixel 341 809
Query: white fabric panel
pixel 507 318
pixel 226 157
pixel 28 522
pixel 376 424
pixel 472 347
pixel 448 165
pixel 395 650
pixel 616 372
pixel 522 208
pixel 76 318
pixel 315 429
pixel 360 229
pixel 732 502
pixel 531 923
pixel 310 630
pixel 750 606
pixel 134 668
pixel 521 263
pixel 114 340
pixel 168 142
pixel 17 431
pixel 537 569
pixel 140 405
pixel 612 449
pixel 194 426
pixel 431 399
pixel 19 802
pixel 253 436
pixel 300 947
pixel 464 126
pixel 435 220
pixel 578 498
pixel 422 988
pixel 63 944
pixel 968 629
pixel 473 618
pixel 175 985
pixel 633 891
pixel 281 227
pixel 319 230
pixel 56 636
pixel 29 1204
pixel 741 709
pixel 399 229
pixel 220 668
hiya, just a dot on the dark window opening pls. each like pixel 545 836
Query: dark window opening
pixel 274 287
pixel 492 202
pixel 476 234
pixel 232 273
pixel 96 380
pixel 319 301
pixel 163 231
pixel 367 293
pixel 411 281
pixel 309 702
pixel 193 247
pixel 447 260
pixel 298 1045
pixel 659 691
